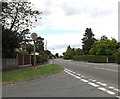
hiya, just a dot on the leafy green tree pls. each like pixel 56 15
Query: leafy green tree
pixel 10 41
pixel 69 53
pixel 18 16
pixel 88 40
pixel 29 48
pixel 39 44
pixel 79 51
pixel 104 47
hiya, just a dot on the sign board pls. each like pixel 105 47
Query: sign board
pixel 34 36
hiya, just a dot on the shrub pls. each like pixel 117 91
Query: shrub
pixel 39 59
pixel 22 52
pixel 91 58
pixel 117 57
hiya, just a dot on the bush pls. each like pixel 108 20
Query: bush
pixel 117 57
pixel 40 59
pixel 22 52
pixel 91 58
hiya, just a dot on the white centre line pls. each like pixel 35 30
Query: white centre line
pixel 110 92
pixel 106 69
pixel 95 84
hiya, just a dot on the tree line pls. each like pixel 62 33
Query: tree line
pixel 93 46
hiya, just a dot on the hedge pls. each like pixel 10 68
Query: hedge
pixel 117 57
pixel 91 58
pixel 39 59
pixel 99 58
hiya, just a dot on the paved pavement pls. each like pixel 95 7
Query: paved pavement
pixel 76 80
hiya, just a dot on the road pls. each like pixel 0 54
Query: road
pixel 79 79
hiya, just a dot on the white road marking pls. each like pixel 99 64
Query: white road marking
pixel 101 88
pixel 84 80
pixel 93 84
pixel 93 80
pixel 118 97
pixel 116 89
pixel 111 87
pixel 103 84
pixel 110 92
pixel 77 77
pixel 106 69
pixel 78 74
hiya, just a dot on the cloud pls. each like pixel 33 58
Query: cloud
pixel 101 16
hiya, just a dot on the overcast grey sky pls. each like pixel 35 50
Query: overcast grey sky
pixel 64 21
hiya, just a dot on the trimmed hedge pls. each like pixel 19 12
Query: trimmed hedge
pixel 99 58
pixel 117 57
pixel 23 52
pixel 91 58
pixel 39 59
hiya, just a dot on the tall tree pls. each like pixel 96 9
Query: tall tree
pixel 39 44
pixel 18 16
pixel 88 40
pixel 10 41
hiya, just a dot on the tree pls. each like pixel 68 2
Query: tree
pixel 104 47
pixel 18 16
pixel 79 51
pixel 10 41
pixel 57 55
pixel 69 53
pixel 39 44
pixel 104 37
pixel 29 48
pixel 88 40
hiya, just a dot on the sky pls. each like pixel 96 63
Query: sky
pixel 64 22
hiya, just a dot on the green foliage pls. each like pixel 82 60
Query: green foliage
pixel 79 51
pixel 18 16
pixel 40 59
pixel 69 53
pixel 23 52
pixel 10 41
pixel 88 40
pixel 91 58
pixel 46 52
pixel 39 44
pixel 104 47
pixel 117 57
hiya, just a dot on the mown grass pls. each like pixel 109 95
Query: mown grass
pixel 29 73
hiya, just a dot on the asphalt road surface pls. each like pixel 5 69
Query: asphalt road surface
pixel 79 79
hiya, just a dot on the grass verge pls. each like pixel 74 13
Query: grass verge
pixel 29 73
